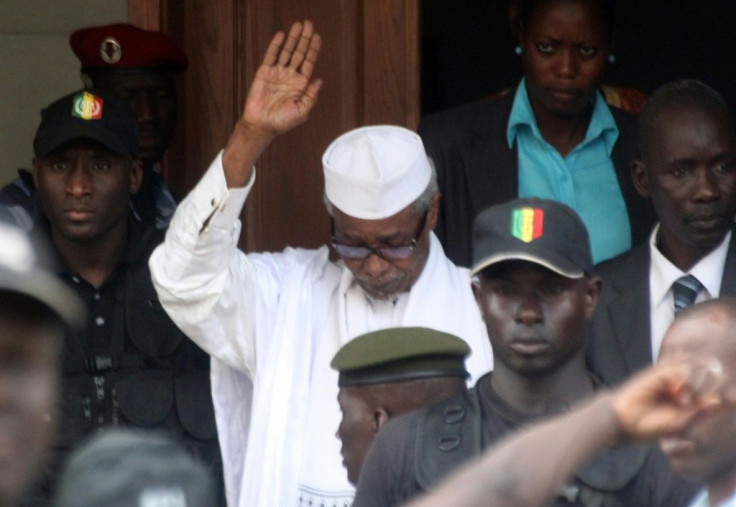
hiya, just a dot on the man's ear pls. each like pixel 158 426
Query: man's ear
pixel 592 292
pixel 640 177
pixel 433 211
pixel 136 176
pixel 380 417
pixel 475 285
pixel 36 168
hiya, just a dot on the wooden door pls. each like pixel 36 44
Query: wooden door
pixel 369 64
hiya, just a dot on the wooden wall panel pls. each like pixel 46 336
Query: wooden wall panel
pixel 145 14
pixel 391 62
pixel 211 85
pixel 370 70
pixel 286 207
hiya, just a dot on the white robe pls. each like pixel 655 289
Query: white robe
pixel 272 323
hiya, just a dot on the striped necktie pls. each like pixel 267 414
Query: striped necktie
pixel 685 291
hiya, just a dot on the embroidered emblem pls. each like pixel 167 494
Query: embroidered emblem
pixel 527 223
pixel 87 106
pixel 110 50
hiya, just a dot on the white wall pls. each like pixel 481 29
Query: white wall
pixel 37 66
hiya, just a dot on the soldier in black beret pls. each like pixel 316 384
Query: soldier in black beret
pixel 390 372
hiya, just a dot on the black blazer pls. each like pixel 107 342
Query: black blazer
pixel 476 169
pixel 619 338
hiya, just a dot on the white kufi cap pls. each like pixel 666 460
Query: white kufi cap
pixel 375 172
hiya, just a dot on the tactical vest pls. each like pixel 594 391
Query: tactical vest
pixel 451 434
pixel 162 383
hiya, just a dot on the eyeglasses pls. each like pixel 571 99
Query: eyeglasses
pixel 389 253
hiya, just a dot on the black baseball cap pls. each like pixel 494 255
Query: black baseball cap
pixel 88 114
pixel 542 231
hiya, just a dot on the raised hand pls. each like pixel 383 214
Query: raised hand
pixel 664 399
pixel 280 97
pixel 282 93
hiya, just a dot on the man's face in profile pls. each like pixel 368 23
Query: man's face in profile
pixel 358 428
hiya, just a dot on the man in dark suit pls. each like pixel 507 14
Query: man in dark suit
pixel 687 168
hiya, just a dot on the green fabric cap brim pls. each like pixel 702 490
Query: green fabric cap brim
pixel 402 353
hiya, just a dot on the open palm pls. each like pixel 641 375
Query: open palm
pixel 282 93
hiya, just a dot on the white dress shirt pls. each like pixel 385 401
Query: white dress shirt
pixel 662 274
pixel 702 500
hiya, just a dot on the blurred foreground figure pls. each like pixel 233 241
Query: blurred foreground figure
pixel 688 399
pixel 125 468
pixel 35 309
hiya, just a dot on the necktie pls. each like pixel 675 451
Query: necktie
pixel 685 290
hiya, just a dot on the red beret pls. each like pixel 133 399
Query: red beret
pixel 124 46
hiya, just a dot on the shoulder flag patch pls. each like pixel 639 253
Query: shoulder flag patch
pixel 87 106
pixel 527 223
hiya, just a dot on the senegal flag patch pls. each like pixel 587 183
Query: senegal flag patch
pixel 87 106
pixel 526 223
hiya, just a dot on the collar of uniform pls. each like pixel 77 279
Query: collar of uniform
pixel 136 248
pixel 602 123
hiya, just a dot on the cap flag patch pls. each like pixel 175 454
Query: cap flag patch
pixel 87 106
pixel 526 223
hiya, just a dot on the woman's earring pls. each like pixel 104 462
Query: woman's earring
pixel 517 50
pixel 611 59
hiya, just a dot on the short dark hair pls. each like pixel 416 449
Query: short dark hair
pixel 607 9
pixel 679 94
pixel 408 395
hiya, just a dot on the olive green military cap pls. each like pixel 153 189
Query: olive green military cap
pixel 400 353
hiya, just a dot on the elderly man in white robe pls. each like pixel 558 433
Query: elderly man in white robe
pixel 273 321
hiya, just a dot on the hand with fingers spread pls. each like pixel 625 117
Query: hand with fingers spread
pixel 282 93
pixel 281 97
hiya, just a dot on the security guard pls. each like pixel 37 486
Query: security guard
pixel 389 372
pixel 537 293
pixel 131 365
